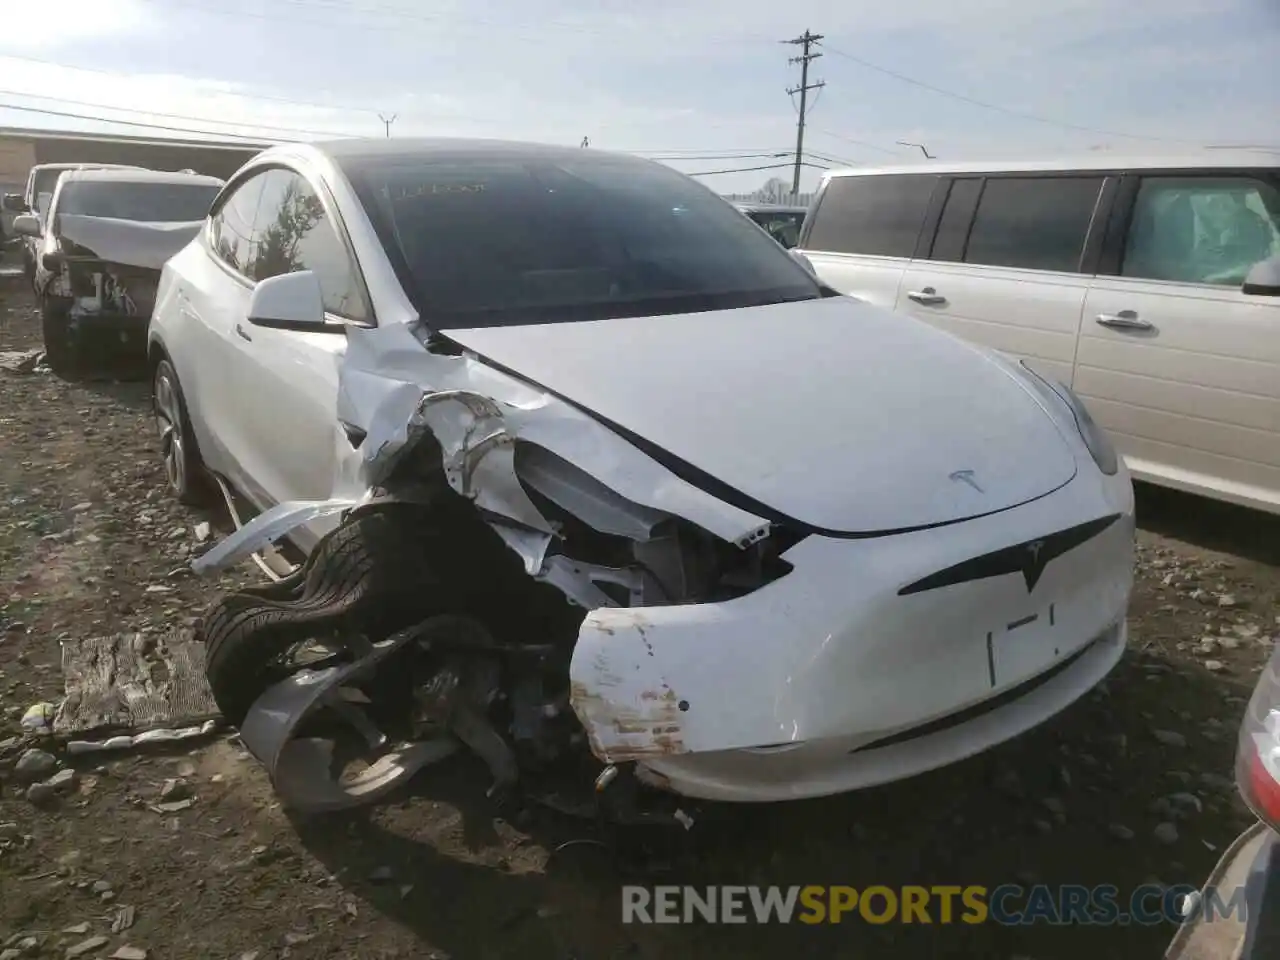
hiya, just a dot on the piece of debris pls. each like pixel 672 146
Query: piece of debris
pixel 381 875
pixel 80 928
pixel 86 946
pixel 123 919
pixel 20 361
pixel 1120 831
pixel 35 765
pixel 174 790
pixel 203 531
pixel 292 939
pixel 100 886
pixel 175 807
pixel 39 718
pixel 128 952
pixel 1166 833
pixel 1214 666
pixel 1227 600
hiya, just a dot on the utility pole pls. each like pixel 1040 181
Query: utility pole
pixel 805 42
pixel 387 121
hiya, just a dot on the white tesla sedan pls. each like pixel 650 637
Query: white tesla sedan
pixel 794 544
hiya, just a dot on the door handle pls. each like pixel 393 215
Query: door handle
pixel 242 333
pixel 1124 320
pixel 929 297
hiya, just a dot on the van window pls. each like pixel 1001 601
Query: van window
pixel 871 215
pixel 1034 223
pixel 957 215
pixel 1202 229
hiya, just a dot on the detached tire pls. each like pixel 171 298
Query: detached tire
pixel 372 575
pixel 388 567
pixel 59 343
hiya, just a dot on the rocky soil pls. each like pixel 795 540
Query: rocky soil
pixel 185 854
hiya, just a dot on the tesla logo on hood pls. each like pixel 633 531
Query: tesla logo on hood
pixel 965 476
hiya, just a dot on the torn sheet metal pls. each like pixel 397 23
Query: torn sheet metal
pixel 131 242
pixel 265 529
pixel 301 770
pixel 386 387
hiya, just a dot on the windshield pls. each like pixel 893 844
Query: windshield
pixel 42 187
pixel 782 225
pixel 506 242
pixel 151 202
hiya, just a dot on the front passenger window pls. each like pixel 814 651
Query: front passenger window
pixel 1201 229
pixel 292 232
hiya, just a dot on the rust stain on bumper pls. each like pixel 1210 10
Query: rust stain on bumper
pixel 648 727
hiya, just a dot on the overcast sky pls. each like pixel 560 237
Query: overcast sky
pixel 702 78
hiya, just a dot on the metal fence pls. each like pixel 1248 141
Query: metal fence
pixel 761 196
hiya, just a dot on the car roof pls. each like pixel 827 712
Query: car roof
pixel 136 175
pixel 85 166
pixel 1101 160
pixel 380 148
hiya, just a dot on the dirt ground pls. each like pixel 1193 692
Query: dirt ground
pixel 90 544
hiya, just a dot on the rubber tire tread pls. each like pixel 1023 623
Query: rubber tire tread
pixel 370 575
pixel 60 351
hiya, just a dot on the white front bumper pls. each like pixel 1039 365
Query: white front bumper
pixel 771 696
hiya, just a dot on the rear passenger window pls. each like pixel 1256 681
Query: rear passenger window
pixel 1202 229
pixel 1035 223
pixel 953 229
pixel 871 215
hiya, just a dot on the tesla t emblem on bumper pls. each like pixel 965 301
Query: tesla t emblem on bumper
pixel 1028 558
pixel 965 476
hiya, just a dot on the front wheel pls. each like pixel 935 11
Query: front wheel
pixel 177 446
pixel 60 348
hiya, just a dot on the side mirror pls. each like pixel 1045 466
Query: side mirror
pixel 1263 279
pixel 51 262
pixel 26 225
pixel 14 203
pixel 290 301
pixel 804 261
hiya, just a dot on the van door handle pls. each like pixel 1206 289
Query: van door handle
pixel 929 297
pixel 242 333
pixel 1124 320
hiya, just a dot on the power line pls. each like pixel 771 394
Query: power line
pixel 770 166
pixel 805 41
pixel 994 106
pixel 859 143
pixel 242 96
pixel 250 141
pixel 714 156
pixel 170 116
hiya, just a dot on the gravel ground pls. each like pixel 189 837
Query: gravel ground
pixel 1131 785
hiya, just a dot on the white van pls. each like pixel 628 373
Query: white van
pixel 1152 287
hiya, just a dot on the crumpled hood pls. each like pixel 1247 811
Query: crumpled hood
pixel 133 242
pixel 846 417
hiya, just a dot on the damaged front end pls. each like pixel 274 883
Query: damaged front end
pixel 98 280
pixel 585 523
